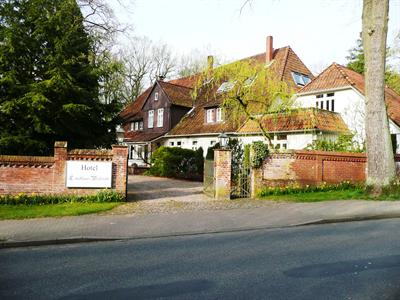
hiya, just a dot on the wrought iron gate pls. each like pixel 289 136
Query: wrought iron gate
pixel 240 181
pixel 209 180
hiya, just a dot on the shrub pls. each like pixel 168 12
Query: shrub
pixel 260 152
pixel 344 143
pixel 34 199
pixel 177 162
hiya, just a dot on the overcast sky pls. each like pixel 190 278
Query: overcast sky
pixel 319 31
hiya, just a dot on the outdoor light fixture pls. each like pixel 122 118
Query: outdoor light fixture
pixel 223 140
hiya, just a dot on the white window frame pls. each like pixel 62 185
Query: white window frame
pixel 218 114
pixel 132 126
pixel 156 96
pixel 160 117
pixel 136 126
pixel 209 118
pixel 150 121
pixel 141 125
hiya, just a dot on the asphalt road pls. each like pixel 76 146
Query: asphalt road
pixel 358 260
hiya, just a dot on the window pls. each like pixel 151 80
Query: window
pixel 141 125
pixel 194 145
pixel 284 146
pixel 136 126
pixel 225 87
pixel 171 143
pixel 160 117
pixel 333 105
pixel 320 96
pixel 322 105
pixel 300 79
pixel 219 114
pixel 131 151
pixel 316 104
pixel 330 94
pixel 327 104
pixel 281 137
pixel 210 115
pixel 212 143
pixel 150 122
pixel 179 144
pixel 132 126
pixel 155 96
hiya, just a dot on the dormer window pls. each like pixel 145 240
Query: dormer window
pixel 225 87
pixel 210 115
pixel 156 96
pixel 219 114
pixel 300 79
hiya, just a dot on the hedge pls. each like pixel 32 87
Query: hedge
pixel 177 163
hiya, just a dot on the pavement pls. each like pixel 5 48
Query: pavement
pixel 161 207
pixel 44 231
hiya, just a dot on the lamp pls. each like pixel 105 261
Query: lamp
pixel 223 140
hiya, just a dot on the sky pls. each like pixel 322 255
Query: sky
pixel 319 31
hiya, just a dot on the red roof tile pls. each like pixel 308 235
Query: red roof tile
pixel 338 76
pixel 177 94
pixel 298 120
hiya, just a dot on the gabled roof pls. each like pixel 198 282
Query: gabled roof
pixel 337 76
pixel 308 119
pixel 177 94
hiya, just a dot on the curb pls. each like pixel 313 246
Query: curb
pixel 78 240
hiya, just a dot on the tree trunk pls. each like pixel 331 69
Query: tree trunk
pixel 380 166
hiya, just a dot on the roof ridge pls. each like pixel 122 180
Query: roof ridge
pixel 160 81
pixel 285 62
pixel 341 70
pixel 315 78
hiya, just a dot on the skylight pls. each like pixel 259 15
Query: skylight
pixel 225 87
pixel 300 79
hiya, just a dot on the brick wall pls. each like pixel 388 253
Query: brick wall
pixel 312 167
pixel 222 174
pixel 46 175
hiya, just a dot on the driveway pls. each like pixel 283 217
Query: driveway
pixel 156 189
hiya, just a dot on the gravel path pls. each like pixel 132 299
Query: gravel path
pixel 154 195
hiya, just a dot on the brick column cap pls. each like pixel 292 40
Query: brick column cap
pixel 119 146
pixel 60 144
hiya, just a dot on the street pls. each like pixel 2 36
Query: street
pixel 354 260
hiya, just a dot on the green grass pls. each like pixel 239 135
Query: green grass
pixel 330 195
pixel 53 210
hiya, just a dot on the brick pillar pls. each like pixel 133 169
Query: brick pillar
pixel 60 164
pixel 120 163
pixel 222 171
pixel 256 176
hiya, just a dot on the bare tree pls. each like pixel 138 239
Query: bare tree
pixel 164 62
pixel 381 167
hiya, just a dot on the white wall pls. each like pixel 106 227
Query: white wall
pixel 193 142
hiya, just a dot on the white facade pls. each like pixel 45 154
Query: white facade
pixel 350 103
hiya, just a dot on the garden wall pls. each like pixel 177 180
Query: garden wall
pixel 310 167
pixel 47 175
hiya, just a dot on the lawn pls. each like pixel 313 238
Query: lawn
pixel 330 195
pixel 53 210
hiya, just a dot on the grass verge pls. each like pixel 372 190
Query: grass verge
pixel 53 210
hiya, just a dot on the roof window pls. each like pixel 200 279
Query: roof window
pixel 225 87
pixel 300 79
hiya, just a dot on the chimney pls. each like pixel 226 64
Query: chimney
pixel 210 62
pixel 269 52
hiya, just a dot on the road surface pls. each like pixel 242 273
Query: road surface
pixel 355 260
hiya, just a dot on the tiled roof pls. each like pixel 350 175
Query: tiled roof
pixel 189 81
pixel 140 136
pixel 338 76
pixel 130 112
pixel 194 122
pixel 298 120
pixel 177 94
pixel 285 62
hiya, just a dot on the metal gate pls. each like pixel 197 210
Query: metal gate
pixel 209 180
pixel 240 181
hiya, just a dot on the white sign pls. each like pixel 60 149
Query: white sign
pixel 91 174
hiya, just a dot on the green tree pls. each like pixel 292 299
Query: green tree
pixel 248 90
pixel 49 86
pixel 355 59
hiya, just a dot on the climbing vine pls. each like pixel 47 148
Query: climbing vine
pixel 260 152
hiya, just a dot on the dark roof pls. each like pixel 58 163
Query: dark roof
pixel 338 76
pixel 298 120
pixel 177 94
pixel 140 136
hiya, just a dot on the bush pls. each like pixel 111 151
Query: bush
pixel 177 163
pixel 260 153
pixel 34 199
pixel 344 143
